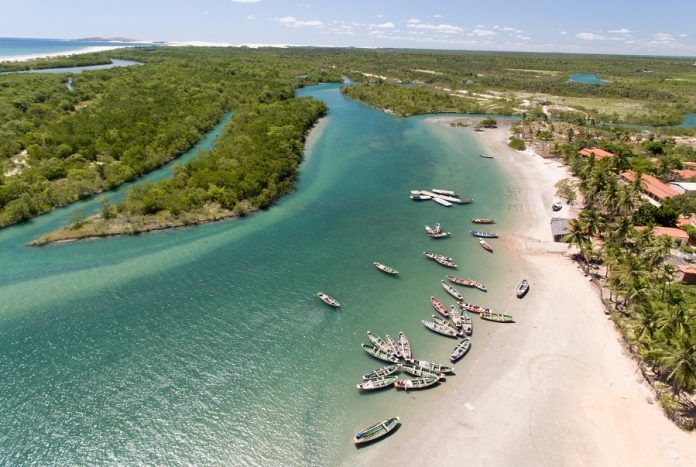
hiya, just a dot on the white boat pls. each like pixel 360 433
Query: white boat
pixel 442 202
pixel 437 228
pixel 452 291
pixel 444 192
pixel 328 299
pixel 429 230
pixel 420 197
pixel 404 347
pixel 450 199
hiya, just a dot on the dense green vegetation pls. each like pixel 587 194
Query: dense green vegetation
pixel 656 315
pixel 411 100
pixel 118 124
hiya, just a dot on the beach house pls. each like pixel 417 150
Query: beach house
pixel 598 153
pixel 652 189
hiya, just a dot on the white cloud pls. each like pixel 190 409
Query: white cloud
pixel 622 31
pixel 417 24
pixel 564 33
pixel 589 36
pixel 437 16
pixel 251 17
pixel 682 35
pixel 380 16
pixel 245 1
pixel 480 32
pixel 387 25
pixel 292 21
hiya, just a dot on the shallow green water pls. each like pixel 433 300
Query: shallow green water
pixel 207 345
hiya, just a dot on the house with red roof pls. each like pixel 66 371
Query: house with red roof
pixel 652 188
pixel 598 153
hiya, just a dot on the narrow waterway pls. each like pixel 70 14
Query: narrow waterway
pixel 207 345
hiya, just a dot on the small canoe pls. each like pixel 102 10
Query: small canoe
pixel 440 235
pixel 434 256
pixel 444 192
pixel 416 383
pixel 376 431
pixel 419 372
pixel 378 342
pixel 440 329
pixel 391 343
pixel 420 197
pixel 479 220
pixel 439 307
pixel 442 202
pixel 405 347
pixel 437 228
pixel 466 317
pixel 497 317
pixel 429 229
pixel 467 283
pixel 328 300
pixel 485 245
pixel 379 354
pixel 480 234
pixel 446 262
pixel 434 367
pixel 522 288
pixel 460 350
pixel 474 308
pixel 375 384
pixel 451 199
pixel 486 156
pixel 386 269
pixel 383 372
pixel 456 316
pixel 452 291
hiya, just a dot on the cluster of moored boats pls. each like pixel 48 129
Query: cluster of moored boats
pixel 442 197
pixel 398 352
pixel 403 371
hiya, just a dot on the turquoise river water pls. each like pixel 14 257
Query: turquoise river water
pixel 206 345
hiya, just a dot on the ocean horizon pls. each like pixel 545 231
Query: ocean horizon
pixel 21 47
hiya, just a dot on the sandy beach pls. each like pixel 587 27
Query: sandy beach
pixel 555 388
pixel 86 50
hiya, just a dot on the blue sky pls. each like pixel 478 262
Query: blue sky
pixel 636 27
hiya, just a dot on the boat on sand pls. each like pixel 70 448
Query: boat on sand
pixel 474 308
pixel 460 350
pixel 376 431
pixel 440 329
pixel 434 367
pixel 419 372
pixel 497 317
pixel 522 288
pixel 416 383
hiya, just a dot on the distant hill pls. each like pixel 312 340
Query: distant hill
pixel 107 39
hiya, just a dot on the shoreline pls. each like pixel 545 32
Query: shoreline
pixel 86 50
pixel 558 386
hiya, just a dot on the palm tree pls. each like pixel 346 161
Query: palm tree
pixel 627 200
pixel 679 360
pixel 620 230
pixel 577 236
pixel 592 222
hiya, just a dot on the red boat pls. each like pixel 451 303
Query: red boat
pixel 483 221
pixel 486 246
pixel 474 308
pixel 467 283
pixel 439 307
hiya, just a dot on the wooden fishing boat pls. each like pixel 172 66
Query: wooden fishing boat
pixel 440 235
pixel 437 228
pixel 451 199
pixel 486 156
pixel 456 316
pixel 474 308
pixel 460 350
pixel 405 347
pixel 447 324
pixel 434 256
pixel 328 300
pixel 381 372
pixel 522 288
pixel 440 259
pixel 439 329
pixel 376 431
pixel 452 291
pixel 386 269
pixel 378 342
pixel 415 383
pixel 468 329
pixel 434 367
pixel 420 197
pixel 467 283
pixel 429 229
pixel 478 233
pixel 485 245
pixel 442 202
pixel 419 372
pixel 497 317
pixel 392 345
pixel 438 191
pixel 439 307
pixel 375 384
pixel 479 220
pixel 379 354
pixel 466 317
